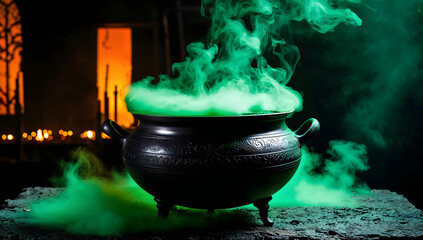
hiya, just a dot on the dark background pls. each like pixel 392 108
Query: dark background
pixel 337 72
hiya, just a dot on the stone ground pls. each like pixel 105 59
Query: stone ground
pixel 381 215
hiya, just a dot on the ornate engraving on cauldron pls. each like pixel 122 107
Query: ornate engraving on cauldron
pixel 260 151
pixel 263 160
pixel 251 145
pixel 212 162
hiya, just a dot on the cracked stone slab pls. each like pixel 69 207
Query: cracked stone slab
pixel 382 214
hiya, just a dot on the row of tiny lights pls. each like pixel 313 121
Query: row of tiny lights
pixel 47 135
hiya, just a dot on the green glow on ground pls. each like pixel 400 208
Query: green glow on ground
pixel 326 181
pixel 98 202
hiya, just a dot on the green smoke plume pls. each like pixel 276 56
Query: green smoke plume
pixel 244 64
pixel 96 201
pixel 383 87
pixel 326 182
pixel 99 202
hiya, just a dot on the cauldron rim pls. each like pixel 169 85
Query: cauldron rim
pixel 266 115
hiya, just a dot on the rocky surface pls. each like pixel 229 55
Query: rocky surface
pixel 383 214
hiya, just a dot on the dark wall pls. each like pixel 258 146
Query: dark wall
pixel 368 80
pixel 60 66
pixel 60 58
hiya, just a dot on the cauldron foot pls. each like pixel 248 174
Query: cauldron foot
pixel 163 208
pixel 263 207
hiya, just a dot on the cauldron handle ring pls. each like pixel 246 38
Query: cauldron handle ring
pixel 307 130
pixel 113 130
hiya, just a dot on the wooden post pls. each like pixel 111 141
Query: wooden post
pixel 106 98
pixel 6 59
pixel 181 29
pixel 116 103
pixel 99 121
pixel 18 119
pixel 167 42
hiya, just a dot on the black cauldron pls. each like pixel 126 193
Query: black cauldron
pixel 212 162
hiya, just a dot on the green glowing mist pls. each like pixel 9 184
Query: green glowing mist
pixel 326 182
pixel 242 67
pixel 383 90
pixel 95 201
pixel 244 64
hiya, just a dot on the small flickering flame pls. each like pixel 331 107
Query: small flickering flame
pixel 39 137
pixel 65 134
pixel 7 137
pixel 89 134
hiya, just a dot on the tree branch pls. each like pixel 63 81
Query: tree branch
pixel 16 35
pixel 11 100
pixel 8 4
pixel 2 102
pixel 2 91
pixel 18 22
pixel 13 46
pixel 10 57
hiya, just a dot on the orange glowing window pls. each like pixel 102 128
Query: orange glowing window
pixel 114 62
pixel 10 58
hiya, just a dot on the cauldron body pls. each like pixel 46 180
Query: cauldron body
pixel 212 162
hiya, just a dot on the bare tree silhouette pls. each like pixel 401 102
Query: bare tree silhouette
pixel 10 44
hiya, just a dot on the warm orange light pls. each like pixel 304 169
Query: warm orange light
pixel 65 133
pixel 4 136
pixel 30 137
pixel 60 131
pixel 14 65
pixel 104 136
pixel 33 134
pixel 39 136
pixel 24 135
pixel 50 132
pixel 70 133
pixel 10 137
pixel 90 134
pixel 114 47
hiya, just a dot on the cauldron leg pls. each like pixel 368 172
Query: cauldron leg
pixel 163 208
pixel 263 207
